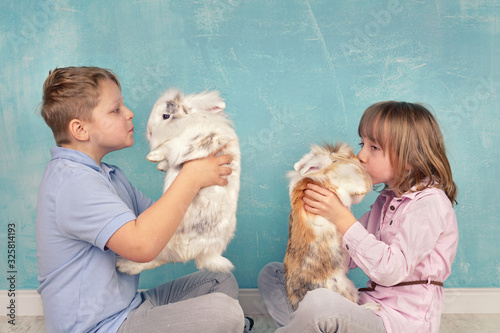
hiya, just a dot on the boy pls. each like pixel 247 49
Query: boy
pixel 88 213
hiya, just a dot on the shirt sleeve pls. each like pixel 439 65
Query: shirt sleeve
pixel 415 236
pixel 363 221
pixel 90 210
pixel 138 201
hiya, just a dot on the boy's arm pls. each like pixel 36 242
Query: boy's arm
pixel 141 240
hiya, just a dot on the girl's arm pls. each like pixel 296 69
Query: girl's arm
pixel 409 239
pixel 325 203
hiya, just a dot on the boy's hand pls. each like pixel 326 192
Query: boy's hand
pixel 323 202
pixel 141 240
pixel 210 170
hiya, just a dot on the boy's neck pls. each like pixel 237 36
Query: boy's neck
pixel 85 148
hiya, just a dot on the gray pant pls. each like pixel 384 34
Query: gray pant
pixel 321 310
pixel 199 302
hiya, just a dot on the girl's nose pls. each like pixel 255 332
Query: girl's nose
pixel 361 155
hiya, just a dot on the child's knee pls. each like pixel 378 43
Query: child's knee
pixel 229 311
pixel 270 272
pixel 322 298
pixel 227 284
pixel 223 301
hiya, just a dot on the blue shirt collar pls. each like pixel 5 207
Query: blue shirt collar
pixel 79 157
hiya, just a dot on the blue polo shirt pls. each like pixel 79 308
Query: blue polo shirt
pixel 80 205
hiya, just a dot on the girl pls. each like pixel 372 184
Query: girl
pixel 405 244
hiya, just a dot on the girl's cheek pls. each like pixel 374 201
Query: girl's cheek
pixel 372 177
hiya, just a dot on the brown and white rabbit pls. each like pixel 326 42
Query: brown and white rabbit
pixel 183 128
pixel 314 256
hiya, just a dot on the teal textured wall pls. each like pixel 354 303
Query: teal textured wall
pixel 293 73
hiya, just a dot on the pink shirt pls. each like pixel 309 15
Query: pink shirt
pixel 410 238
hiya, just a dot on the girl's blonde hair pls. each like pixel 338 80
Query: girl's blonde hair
pixel 411 135
pixel 71 93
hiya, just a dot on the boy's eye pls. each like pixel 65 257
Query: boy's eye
pixel 166 116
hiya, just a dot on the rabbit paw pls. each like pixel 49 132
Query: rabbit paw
pixel 372 306
pixel 214 263
pixel 162 166
pixel 129 267
pixel 155 156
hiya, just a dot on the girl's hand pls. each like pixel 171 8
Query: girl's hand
pixel 210 170
pixel 323 202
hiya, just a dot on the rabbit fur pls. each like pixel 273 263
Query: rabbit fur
pixel 314 257
pixel 183 128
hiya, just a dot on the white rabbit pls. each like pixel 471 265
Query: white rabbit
pixel 314 257
pixel 182 128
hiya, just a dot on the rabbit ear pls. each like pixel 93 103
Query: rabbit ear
pixel 206 101
pixel 217 108
pixel 311 163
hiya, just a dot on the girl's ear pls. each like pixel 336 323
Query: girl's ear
pixel 77 130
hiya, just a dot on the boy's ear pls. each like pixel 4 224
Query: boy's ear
pixel 77 130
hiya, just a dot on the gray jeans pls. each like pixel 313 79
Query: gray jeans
pixel 321 310
pixel 199 302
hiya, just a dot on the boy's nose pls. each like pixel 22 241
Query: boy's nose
pixel 130 114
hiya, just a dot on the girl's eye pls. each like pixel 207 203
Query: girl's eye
pixel 372 147
pixel 166 116
pixel 116 110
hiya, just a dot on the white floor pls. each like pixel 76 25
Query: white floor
pixel 465 310
pixel 450 323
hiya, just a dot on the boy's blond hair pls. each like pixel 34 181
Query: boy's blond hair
pixel 411 135
pixel 71 93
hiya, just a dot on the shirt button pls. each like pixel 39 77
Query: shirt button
pixel 347 247
pixel 392 208
pixel 390 223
